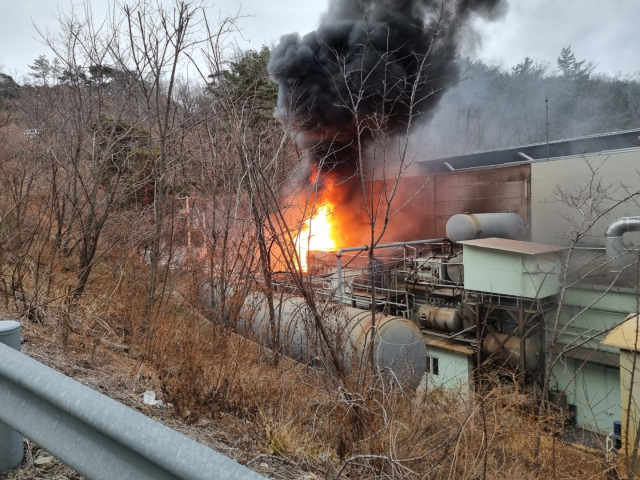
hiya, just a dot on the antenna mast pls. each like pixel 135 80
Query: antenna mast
pixel 546 101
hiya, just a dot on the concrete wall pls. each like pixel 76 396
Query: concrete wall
pixel 630 397
pixel 617 173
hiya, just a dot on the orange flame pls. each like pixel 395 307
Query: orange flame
pixel 315 235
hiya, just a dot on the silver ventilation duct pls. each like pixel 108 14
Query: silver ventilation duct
pixel 466 226
pixel 617 254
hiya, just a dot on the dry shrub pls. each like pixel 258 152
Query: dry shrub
pixel 361 426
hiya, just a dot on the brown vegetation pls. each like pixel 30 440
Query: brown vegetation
pixel 136 189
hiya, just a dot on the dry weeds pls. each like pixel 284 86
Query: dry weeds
pixel 281 418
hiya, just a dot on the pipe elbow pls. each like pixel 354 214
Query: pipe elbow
pixel 623 225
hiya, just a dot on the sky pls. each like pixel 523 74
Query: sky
pixel 603 31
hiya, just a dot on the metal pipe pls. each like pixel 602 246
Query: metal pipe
pixel 449 167
pixel 616 253
pixel 508 348
pixel 11 448
pixel 365 248
pixel 525 157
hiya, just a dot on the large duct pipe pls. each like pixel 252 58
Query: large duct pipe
pixel 398 344
pixel 445 319
pixel 617 255
pixel 507 348
pixel 468 226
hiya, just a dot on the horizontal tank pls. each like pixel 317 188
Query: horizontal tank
pixel 398 344
pixel 507 348
pixel 446 319
pixel 466 226
pixel 455 269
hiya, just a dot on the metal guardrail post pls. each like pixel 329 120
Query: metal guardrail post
pixel 11 446
pixel 96 436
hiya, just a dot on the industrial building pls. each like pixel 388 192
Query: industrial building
pixel 521 262
pixel 491 290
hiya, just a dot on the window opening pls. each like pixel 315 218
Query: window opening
pixel 433 365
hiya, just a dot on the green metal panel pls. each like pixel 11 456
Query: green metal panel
pixel 454 369
pixel 595 390
pixel 599 315
pixel 510 273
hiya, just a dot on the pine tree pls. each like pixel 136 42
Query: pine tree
pixel 42 70
pixel 573 69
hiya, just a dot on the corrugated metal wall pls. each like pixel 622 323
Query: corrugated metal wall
pixel 438 197
pixel 482 191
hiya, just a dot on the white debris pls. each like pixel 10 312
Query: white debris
pixel 43 459
pixel 149 398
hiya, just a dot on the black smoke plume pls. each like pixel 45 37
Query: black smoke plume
pixel 373 48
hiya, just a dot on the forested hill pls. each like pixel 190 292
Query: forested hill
pixel 488 108
pixel 492 107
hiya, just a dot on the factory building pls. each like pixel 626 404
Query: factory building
pixel 499 288
pixel 515 263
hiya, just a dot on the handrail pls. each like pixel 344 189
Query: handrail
pixel 365 248
pixel 95 435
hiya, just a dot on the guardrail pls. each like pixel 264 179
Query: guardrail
pixel 93 434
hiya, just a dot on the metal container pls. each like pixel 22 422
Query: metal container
pixel 455 269
pixel 445 319
pixel 466 226
pixel 507 348
pixel 398 344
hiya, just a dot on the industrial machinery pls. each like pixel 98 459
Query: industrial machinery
pixel 467 300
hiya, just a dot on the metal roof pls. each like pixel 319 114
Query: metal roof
pixel 587 354
pixel 535 152
pixel 517 246
pixel 587 262
pixel 589 266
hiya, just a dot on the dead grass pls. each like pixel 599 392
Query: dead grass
pixel 284 419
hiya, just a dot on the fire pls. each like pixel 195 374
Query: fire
pixel 315 235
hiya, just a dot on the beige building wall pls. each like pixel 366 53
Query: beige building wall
pixel 617 173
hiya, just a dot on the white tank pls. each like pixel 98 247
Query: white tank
pixel 466 226
pixel 398 344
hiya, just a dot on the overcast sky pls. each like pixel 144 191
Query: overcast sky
pixel 602 30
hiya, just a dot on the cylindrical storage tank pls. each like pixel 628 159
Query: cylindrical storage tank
pixel 445 319
pixel 507 347
pixel 455 269
pixel 398 344
pixel 466 226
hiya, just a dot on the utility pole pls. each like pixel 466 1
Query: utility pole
pixel 546 102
